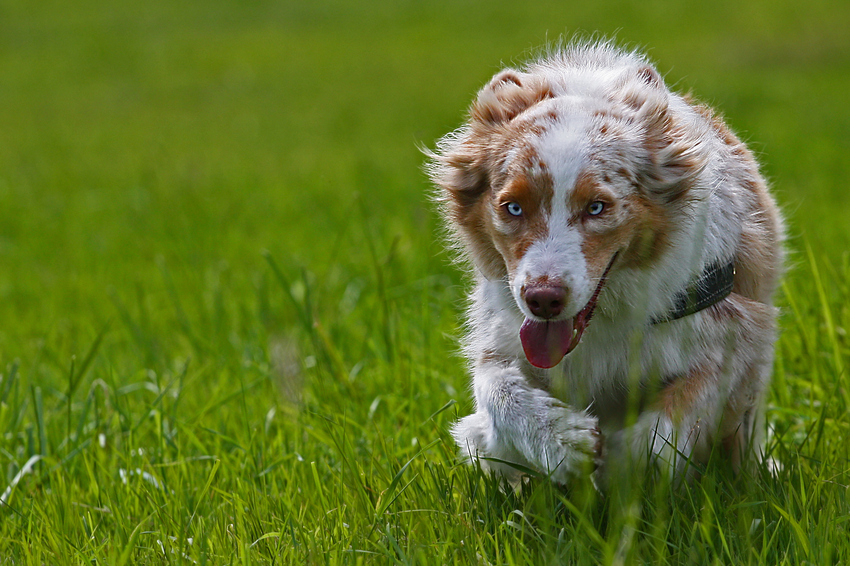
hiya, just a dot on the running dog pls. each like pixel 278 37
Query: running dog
pixel 625 251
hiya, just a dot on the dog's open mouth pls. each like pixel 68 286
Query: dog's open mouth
pixel 546 343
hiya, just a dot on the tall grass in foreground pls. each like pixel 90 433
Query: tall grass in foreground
pixel 218 434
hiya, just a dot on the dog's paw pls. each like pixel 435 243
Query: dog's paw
pixel 551 438
pixel 572 443
pixel 471 434
pixel 480 443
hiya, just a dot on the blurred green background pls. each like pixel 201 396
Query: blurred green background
pixel 193 135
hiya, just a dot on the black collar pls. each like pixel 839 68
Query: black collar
pixel 713 285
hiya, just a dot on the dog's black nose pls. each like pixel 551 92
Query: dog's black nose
pixel 545 301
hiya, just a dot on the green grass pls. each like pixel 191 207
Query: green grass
pixel 228 327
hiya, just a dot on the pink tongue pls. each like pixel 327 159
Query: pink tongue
pixel 546 343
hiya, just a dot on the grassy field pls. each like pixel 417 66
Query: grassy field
pixel 228 326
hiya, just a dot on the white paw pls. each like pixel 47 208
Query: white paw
pixel 552 439
pixel 478 442
pixel 654 442
pixel 569 444
pixel 471 434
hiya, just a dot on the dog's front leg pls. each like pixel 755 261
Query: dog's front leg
pixel 519 423
pixel 695 413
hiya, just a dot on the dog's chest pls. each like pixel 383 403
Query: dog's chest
pixel 617 368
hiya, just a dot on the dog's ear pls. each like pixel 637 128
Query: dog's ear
pixel 507 95
pixel 462 166
pixel 459 171
pixel 675 153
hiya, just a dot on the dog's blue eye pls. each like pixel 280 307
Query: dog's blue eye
pixel 514 209
pixel 595 208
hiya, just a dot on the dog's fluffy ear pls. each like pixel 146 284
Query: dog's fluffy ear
pixel 459 171
pixel 461 168
pixel 507 95
pixel 675 154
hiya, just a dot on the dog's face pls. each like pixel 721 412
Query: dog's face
pixel 553 192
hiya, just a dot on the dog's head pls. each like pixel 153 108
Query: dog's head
pixel 558 181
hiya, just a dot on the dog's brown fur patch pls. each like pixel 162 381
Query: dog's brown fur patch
pixel 534 195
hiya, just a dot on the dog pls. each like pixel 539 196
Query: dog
pixel 625 250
